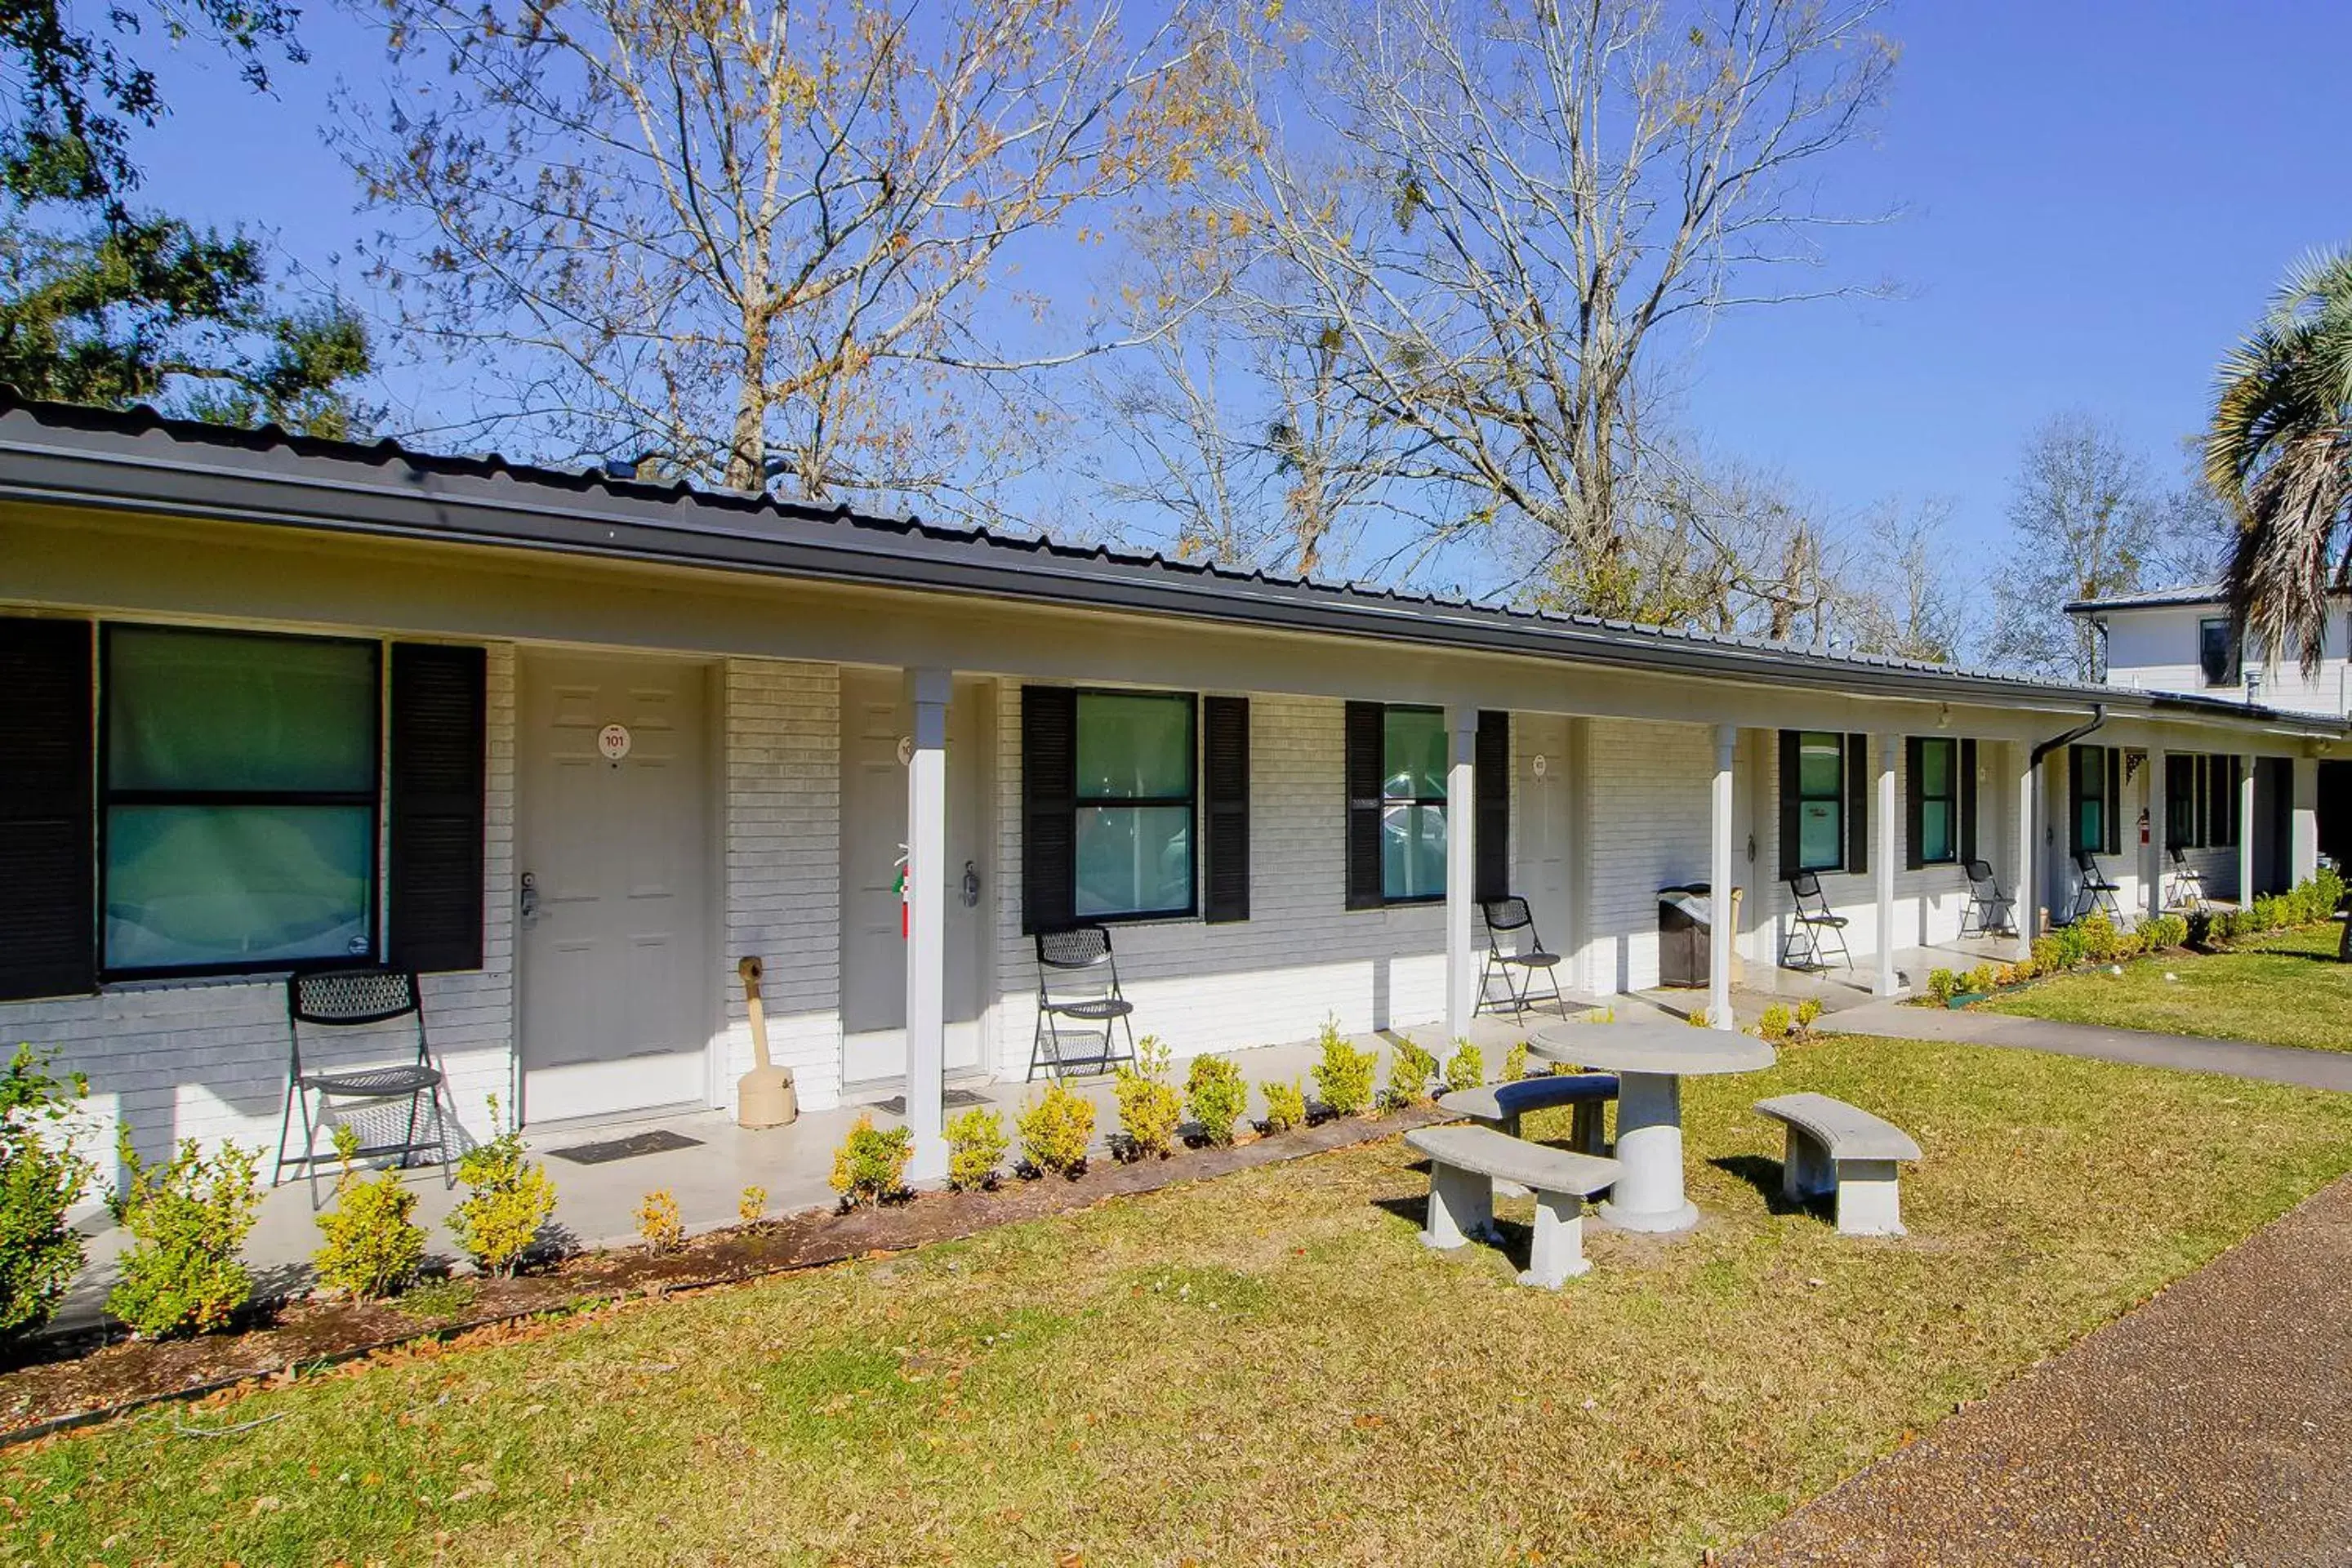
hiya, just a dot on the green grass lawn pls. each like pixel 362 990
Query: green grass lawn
pixel 2288 990
pixel 1266 1368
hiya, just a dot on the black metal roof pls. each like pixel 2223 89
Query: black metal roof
pixel 138 459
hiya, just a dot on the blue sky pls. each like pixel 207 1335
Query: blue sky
pixel 2097 198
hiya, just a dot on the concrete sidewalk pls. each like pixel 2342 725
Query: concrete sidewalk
pixel 2211 1425
pixel 2186 1053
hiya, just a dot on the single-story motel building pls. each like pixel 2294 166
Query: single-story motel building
pixel 572 745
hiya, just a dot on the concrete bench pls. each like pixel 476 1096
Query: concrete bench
pixel 1841 1149
pixel 1463 1164
pixel 1500 1105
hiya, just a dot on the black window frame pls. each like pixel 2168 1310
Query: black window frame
pixel 2184 806
pixel 1838 797
pixel 1401 902
pixel 2112 768
pixel 1080 801
pixel 2234 652
pixel 109 797
pixel 1955 837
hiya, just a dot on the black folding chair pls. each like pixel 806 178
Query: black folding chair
pixel 349 998
pixel 2188 890
pixel 1813 927
pixel 1077 980
pixel 1989 910
pixel 2093 891
pixel 1515 952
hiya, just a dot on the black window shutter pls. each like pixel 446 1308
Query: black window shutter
pixel 2180 803
pixel 48 930
pixel 1226 736
pixel 438 732
pixel 2076 795
pixel 1791 807
pixel 1915 802
pixel 1491 877
pixel 1857 803
pixel 1364 785
pixel 1049 807
pixel 2113 811
pixel 1968 801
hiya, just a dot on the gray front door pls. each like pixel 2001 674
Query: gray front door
pixel 618 986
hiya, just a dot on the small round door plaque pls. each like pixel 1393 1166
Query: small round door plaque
pixel 614 741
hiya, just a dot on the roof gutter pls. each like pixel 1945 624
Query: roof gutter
pixel 2098 717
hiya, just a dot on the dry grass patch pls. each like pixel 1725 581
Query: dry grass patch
pixel 2284 990
pixel 1265 1368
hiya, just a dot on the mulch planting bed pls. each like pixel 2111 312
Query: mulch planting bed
pixel 72 1379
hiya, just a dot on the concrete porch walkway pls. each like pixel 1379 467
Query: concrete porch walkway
pixel 596 1205
pixel 1756 986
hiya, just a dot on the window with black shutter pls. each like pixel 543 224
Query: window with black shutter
pixel 1492 763
pixel 1111 791
pixel 1931 801
pixel 2221 779
pixel 2094 788
pixel 239 793
pixel 47 914
pixel 1397 766
pixel 2182 801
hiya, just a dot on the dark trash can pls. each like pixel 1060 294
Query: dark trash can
pixel 1685 935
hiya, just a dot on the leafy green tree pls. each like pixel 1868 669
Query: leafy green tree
pixel 148 309
pixel 2279 452
pixel 77 93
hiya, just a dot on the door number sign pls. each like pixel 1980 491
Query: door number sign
pixel 614 742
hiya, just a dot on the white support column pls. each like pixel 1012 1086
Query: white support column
pixel 2245 831
pixel 2028 886
pixel 1461 871
pixel 927 891
pixel 2153 858
pixel 1889 748
pixel 1720 874
pixel 2306 841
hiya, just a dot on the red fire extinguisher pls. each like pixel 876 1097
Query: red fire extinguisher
pixel 905 918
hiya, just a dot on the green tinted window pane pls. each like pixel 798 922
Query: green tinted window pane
pixel 1935 768
pixel 1936 831
pixel 212 710
pixel 1413 852
pixel 2093 761
pixel 1134 859
pixel 1133 748
pixel 189 885
pixel 1412 754
pixel 1821 767
pixel 1821 835
pixel 2090 827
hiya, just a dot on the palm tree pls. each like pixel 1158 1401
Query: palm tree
pixel 2279 453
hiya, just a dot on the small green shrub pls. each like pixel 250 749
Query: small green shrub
pixel 976 1146
pixel 1466 1068
pixel 1808 1012
pixel 1055 1131
pixel 187 1219
pixel 753 1206
pixel 1515 1062
pixel 1773 1024
pixel 2049 956
pixel 2097 938
pixel 1410 1070
pixel 870 1166
pixel 1699 1018
pixel 659 1221
pixel 1217 1096
pixel 1286 1106
pixel 1980 979
pixel 2166 931
pixel 1943 985
pixel 372 1242
pixel 1343 1079
pixel 42 1176
pixel 1149 1106
pixel 509 1200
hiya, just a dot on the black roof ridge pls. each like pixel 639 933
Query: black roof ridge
pixel 142 421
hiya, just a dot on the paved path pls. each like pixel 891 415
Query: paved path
pixel 2211 1425
pixel 2190 1053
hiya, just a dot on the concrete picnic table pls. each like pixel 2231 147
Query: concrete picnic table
pixel 1650 1060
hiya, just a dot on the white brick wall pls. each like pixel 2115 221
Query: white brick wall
pixel 1301 956
pixel 207 1060
pixel 1650 825
pixel 783 869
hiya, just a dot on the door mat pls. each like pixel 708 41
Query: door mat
pixel 954 1099
pixel 660 1141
